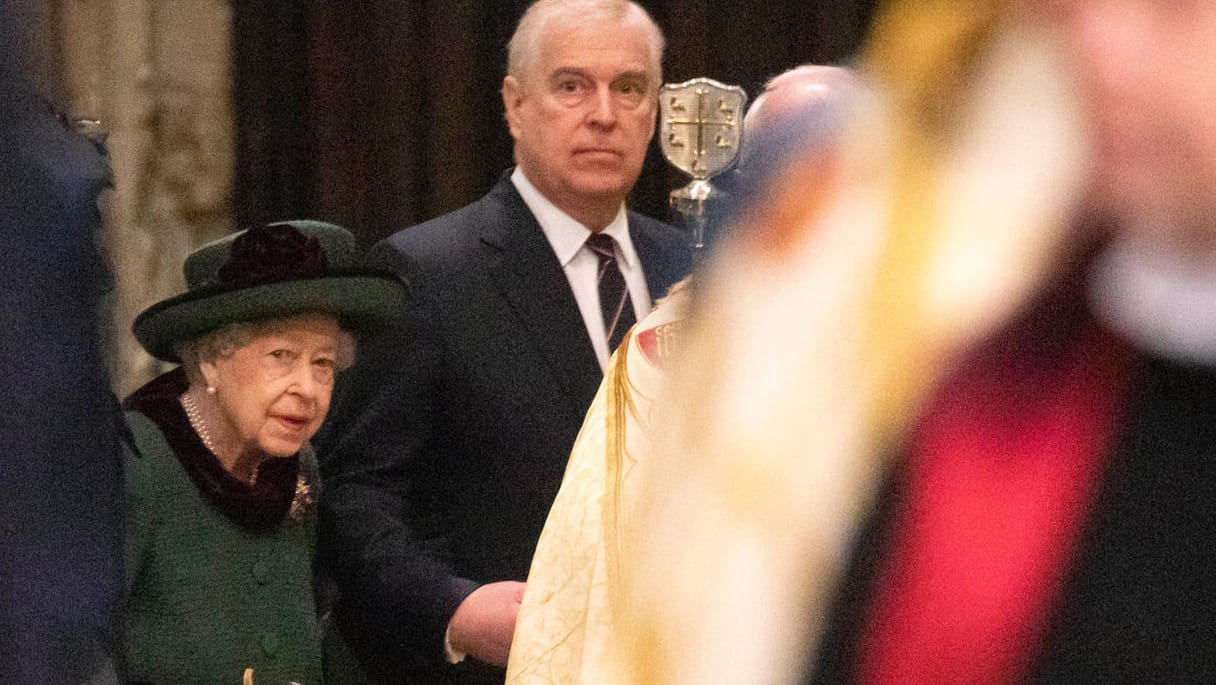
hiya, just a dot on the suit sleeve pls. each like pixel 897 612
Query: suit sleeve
pixel 375 451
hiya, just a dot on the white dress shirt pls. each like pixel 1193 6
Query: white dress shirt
pixel 1159 301
pixel 568 239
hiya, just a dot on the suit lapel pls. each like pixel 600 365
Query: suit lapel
pixel 521 262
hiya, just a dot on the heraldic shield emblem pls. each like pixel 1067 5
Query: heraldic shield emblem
pixel 701 124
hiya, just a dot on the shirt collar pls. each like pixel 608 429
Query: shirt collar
pixel 565 234
pixel 1158 300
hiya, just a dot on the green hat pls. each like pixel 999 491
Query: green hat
pixel 267 272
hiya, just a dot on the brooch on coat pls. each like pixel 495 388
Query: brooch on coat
pixel 302 500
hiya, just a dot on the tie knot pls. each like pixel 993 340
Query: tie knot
pixel 602 245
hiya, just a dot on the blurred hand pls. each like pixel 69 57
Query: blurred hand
pixel 484 622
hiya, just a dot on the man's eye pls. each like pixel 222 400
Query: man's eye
pixel 282 355
pixel 324 362
pixel 630 94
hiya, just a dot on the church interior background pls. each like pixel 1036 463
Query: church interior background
pixel 375 115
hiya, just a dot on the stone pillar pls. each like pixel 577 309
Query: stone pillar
pixel 158 75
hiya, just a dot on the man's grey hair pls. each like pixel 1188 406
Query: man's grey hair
pixel 524 48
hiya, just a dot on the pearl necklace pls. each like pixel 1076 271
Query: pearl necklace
pixel 196 421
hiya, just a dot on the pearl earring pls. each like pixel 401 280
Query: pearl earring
pixel 210 389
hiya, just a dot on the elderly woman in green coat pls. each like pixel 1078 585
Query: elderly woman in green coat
pixel 221 479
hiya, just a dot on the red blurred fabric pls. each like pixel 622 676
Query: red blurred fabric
pixel 1000 476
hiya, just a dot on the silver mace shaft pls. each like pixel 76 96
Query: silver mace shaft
pixel 696 202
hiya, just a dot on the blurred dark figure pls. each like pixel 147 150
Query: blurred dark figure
pixel 60 469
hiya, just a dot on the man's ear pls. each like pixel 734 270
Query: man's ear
pixel 512 99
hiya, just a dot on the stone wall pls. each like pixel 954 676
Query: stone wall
pixel 158 76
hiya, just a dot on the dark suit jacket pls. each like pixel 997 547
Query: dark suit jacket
pixel 448 442
pixel 1138 603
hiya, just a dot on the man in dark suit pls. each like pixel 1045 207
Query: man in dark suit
pixel 448 444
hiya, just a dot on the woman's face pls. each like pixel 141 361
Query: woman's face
pixel 274 392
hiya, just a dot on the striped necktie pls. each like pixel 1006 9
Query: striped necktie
pixel 614 296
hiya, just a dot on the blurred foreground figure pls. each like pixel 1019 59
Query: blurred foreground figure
pixel 60 456
pixel 962 430
pixel 570 620
pixel 1051 517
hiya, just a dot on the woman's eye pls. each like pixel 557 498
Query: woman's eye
pixel 324 362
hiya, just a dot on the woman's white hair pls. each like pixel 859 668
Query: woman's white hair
pixel 223 342
pixel 524 48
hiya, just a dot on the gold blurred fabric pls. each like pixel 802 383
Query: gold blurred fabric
pixel 708 551
pixel 570 613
